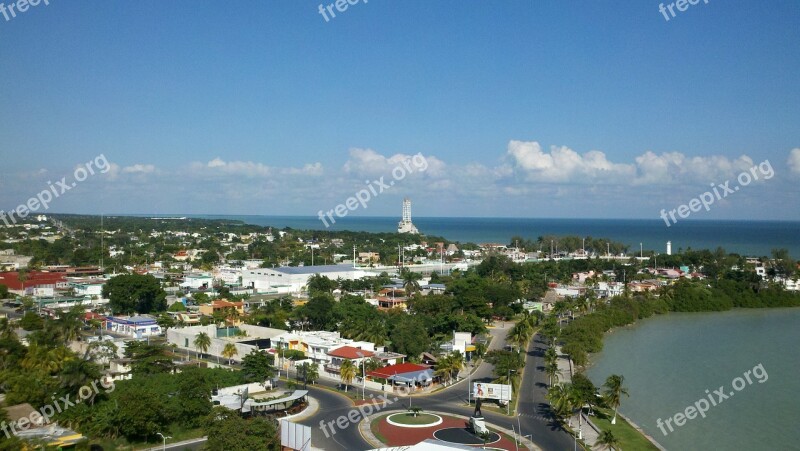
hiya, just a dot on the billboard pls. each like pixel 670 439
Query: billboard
pixel 491 391
pixel 295 436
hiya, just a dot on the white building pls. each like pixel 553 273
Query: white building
pixel 256 338
pixel 84 288
pixel 133 326
pixel 405 225
pixel 293 279
pixel 198 281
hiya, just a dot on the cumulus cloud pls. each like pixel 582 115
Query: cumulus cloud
pixel 237 168
pixel 794 160
pixel 564 165
pixel 139 169
pixel 369 163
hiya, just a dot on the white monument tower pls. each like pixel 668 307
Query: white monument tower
pixel 669 247
pixel 405 225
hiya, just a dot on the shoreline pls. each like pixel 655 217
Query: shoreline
pixel 593 360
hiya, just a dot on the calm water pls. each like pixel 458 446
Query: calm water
pixel 670 361
pixel 745 237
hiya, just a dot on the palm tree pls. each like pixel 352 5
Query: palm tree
pixel 347 372
pixel 444 370
pixel 410 278
pixel 70 324
pixel 78 373
pixel 457 362
pixel 551 368
pixel 614 392
pixel 518 336
pixel 229 352
pixel 202 342
pixel 6 330
pixel 311 372
pixel 551 355
pixel 608 440
pixel 558 395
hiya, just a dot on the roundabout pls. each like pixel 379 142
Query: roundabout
pixel 395 429
pixel 408 420
pixel 463 436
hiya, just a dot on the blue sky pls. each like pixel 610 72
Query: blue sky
pixel 530 109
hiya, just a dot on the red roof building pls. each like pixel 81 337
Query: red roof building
pixel 33 279
pixel 350 353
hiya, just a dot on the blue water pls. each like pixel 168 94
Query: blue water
pixel 670 361
pixel 756 238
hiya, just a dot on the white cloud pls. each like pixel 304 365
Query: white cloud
pixel 794 160
pixel 564 165
pixel 238 168
pixel 139 169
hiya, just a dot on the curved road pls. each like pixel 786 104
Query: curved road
pixel 534 416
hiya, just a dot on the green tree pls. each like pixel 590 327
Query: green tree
pixel 31 321
pixel 608 440
pixel 347 372
pixel 78 373
pixel 166 321
pixel 614 391
pixel 319 311
pixel 229 351
pixel 410 281
pixel 129 293
pixel 318 283
pixel 141 411
pixel 148 358
pixel 559 397
pixel 410 336
pixel 3 291
pixel 191 401
pixel 202 342
pixel 177 307
pixel 227 431
pixel 257 367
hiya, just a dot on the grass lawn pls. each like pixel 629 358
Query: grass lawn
pixel 628 436
pixel 409 418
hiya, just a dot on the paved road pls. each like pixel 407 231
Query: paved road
pixel 534 412
pixel 332 406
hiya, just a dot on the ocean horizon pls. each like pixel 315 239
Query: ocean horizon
pixel 746 237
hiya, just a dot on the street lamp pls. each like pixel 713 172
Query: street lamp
pixel 508 406
pixel 363 375
pixel 165 440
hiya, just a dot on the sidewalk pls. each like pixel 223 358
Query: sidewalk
pixel 587 432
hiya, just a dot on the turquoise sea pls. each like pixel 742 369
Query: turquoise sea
pixel 670 361
pixel 756 238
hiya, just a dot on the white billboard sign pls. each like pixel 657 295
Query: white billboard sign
pixel 499 392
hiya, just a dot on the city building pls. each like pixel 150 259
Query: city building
pixel 133 326
pixel 293 279
pixel 405 225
